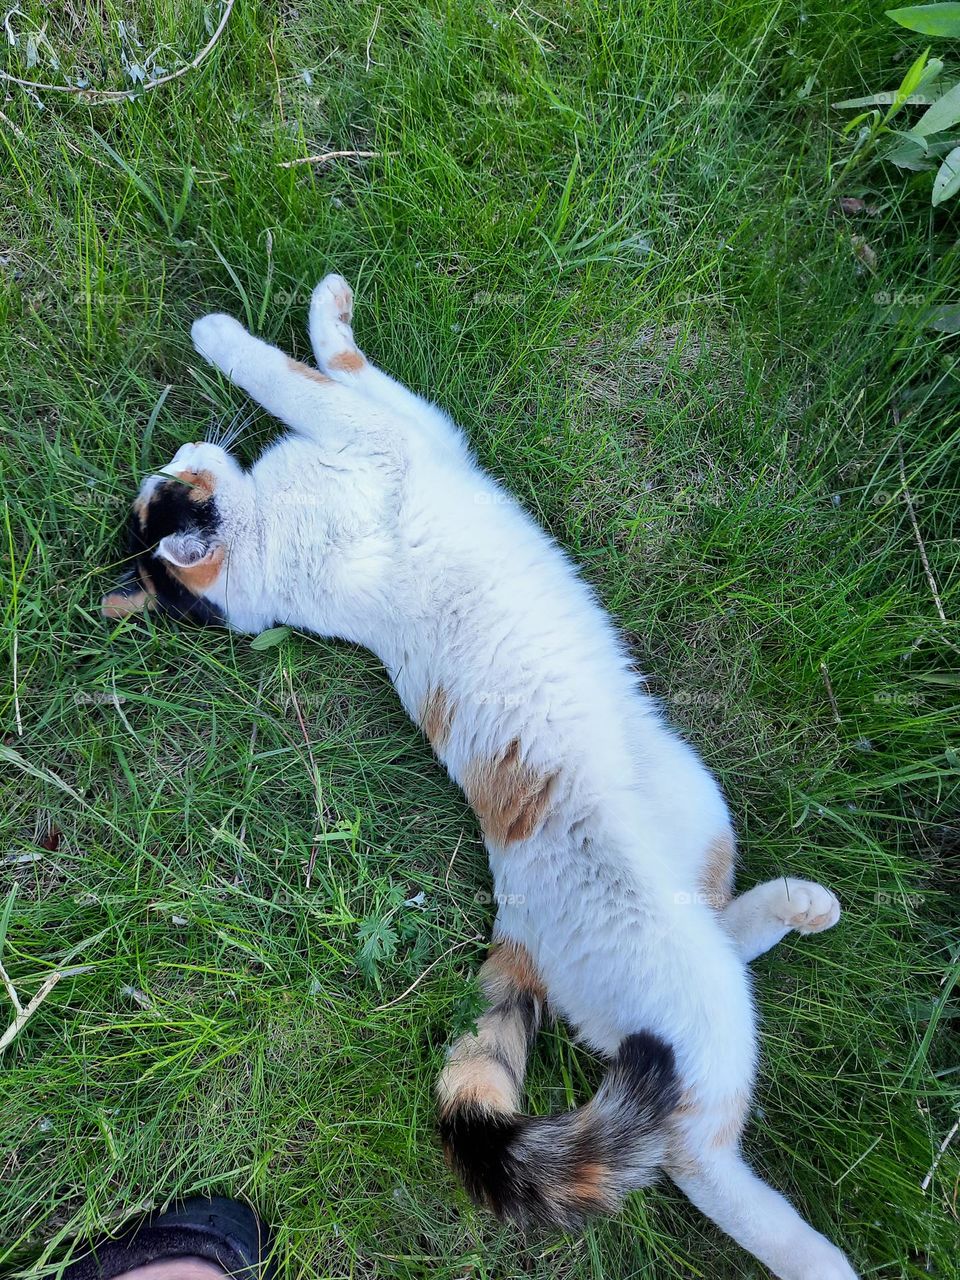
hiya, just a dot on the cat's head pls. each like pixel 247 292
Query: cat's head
pixel 178 538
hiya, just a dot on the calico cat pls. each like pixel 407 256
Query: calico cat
pixel 611 847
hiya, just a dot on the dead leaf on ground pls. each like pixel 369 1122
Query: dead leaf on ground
pixel 864 253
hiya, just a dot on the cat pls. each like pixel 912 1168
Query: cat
pixel 611 846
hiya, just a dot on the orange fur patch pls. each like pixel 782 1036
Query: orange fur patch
pixel 197 577
pixel 716 875
pixel 202 484
pixel 591 1182
pixel 304 370
pixel 347 361
pixel 737 1110
pixel 509 970
pixel 140 511
pixel 688 1104
pixel 690 1126
pixel 509 797
pixel 487 1068
pixel 436 717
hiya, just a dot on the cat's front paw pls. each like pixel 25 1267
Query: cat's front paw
pixel 220 340
pixel 331 316
pixel 806 906
pixel 333 299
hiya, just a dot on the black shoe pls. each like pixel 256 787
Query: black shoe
pixel 224 1232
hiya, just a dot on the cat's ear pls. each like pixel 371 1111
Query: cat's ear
pixel 184 550
pixel 195 563
pixel 126 599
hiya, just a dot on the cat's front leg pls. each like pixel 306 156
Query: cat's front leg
pixel 337 354
pixel 331 328
pixel 302 397
pixel 224 342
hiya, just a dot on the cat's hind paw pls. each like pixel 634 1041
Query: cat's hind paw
pixel 806 906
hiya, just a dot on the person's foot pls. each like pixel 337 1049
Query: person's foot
pixel 200 1239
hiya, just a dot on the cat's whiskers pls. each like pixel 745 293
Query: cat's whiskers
pixel 226 435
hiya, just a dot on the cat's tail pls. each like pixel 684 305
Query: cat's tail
pixel 555 1170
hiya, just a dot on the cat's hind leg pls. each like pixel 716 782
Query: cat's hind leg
pixel 758 919
pixel 725 1188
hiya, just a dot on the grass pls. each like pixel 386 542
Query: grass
pixel 605 237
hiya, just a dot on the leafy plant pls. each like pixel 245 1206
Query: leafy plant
pixel 933 140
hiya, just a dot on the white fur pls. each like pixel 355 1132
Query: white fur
pixel 372 522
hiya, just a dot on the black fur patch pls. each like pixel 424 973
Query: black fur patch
pixel 645 1071
pixel 172 510
pixel 527 1007
pixel 487 1149
pixel 478 1142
